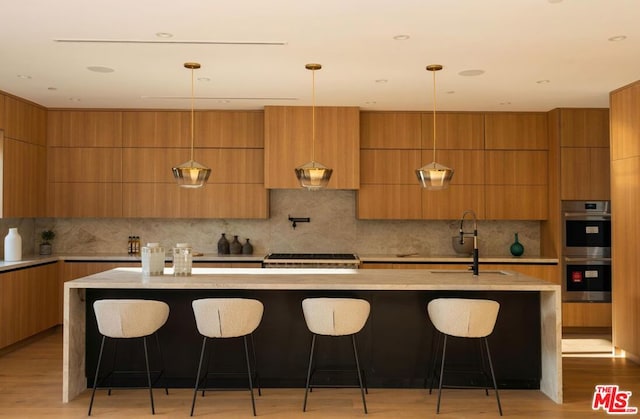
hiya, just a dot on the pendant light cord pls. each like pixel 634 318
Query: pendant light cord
pixel 192 111
pixel 434 116
pixel 313 115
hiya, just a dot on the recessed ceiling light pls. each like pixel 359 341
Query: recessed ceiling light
pixel 471 73
pixel 24 76
pixel 382 81
pixel 224 101
pixel 52 88
pixel 554 1
pixel 370 102
pixel 505 103
pixel 100 69
pixel 74 99
pixel 450 92
pixel 164 35
pixel 617 38
pixel 401 37
pixel 205 79
pixel 545 81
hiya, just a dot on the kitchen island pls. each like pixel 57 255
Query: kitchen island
pixel 391 289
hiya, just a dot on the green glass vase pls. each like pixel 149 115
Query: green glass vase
pixel 517 249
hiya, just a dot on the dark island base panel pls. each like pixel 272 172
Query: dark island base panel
pixel 395 345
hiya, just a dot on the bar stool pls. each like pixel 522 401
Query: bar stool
pixel 335 317
pixel 129 319
pixel 227 318
pixel 464 318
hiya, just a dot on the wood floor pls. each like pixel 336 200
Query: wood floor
pixel 30 387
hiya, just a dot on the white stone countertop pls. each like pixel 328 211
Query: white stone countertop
pixel 316 279
pixel 418 258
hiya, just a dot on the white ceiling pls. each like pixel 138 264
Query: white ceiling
pixel 516 42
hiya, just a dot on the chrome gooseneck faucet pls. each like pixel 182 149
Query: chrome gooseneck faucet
pixel 474 267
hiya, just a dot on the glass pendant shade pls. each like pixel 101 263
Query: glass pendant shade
pixel 434 176
pixel 313 175
pixel 191 174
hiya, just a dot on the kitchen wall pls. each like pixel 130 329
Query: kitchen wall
pixel 333 228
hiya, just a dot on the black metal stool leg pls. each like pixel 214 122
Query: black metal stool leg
pixel 435 346
pixel 246 353
pixel 255 366
pixel 113 364
pixel 493 377
pixel 166 388
pixel 355 354
pixel 95 380
pixel 444 350
pixel 195 390
pixel 306 390
pixel 146 361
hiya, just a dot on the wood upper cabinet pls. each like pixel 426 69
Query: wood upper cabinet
pixel 23 174
pixel 527 167
pixel 585 173
pixel 84 129
pixel 2 112
pixel 390 130
pixel 24 121
pixel 156 129
pixel 229 129
pixel 288 144
pixel 389 202
pixel 394 167
pixel 454 130
pixel 516 131
pixel 450 203
pixel 584 127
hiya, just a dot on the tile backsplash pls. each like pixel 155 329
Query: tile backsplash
pixel 333 227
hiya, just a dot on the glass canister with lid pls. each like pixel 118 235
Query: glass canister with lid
pixel 182 259
pixel 152 260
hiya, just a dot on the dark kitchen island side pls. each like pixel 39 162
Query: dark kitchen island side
pixel 395 344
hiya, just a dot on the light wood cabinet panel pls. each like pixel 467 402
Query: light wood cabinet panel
pixel 88 199
pixel 549 273
pixel 166 200
pixel 468 165
pixel 84 129
pixel 23 179
pixel 516 202
pixel 389 166
pixel 288 144
pixel 84 164
pixel 516 167
pixel 516 131
pixel 25 121
pixel 450 203
pixel 228 165
pixel 233 129
pixel 454 130
pixel 28 302
pixel 586 314
pixel 390 130
pixel 3 122
pixel 396 202
pixel 584 127
pixel 156 129
pixel 625 124
pixel 585 173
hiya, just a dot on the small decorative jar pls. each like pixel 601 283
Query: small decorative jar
pixel 247 248
pixel 517 249
pixel 13 246
pixel 182 259
pixel 235 246
pixel 152 260
pixel 223 245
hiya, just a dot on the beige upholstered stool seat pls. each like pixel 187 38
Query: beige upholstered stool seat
pixel 335 317
pixel 129 319
pixel 464 318
pixel 218 318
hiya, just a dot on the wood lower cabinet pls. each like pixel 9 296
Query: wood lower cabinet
pixel 29 302
pixel 586 314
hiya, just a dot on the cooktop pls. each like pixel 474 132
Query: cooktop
pixel 336 256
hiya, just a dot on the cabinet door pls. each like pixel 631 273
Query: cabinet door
pixel 229 129
pixel 389 202
pixel 516 202
pixel 85 164
pixel 468 165
pixel 450 203
pixel 585 173
pixel 25 121
pixel 586 314
pixel 156 129
pixel 85 199
pixel 584 128
pixel 3 123
pixel 516 130
pixel 516 167
pixel 454 130
pixel 28 302
pixel 84 129
pixel 396 130
pixel 23 179
pixel 392 167
pixel 288 144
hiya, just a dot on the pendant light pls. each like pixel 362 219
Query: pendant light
pixel 191 174
pixel 313 175
pixel 434 176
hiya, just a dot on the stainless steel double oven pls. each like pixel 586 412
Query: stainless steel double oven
pixel 587 251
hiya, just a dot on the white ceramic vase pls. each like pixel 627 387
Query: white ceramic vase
pixel 12 246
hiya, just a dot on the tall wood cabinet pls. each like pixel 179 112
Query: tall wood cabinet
pixel 23 151
pixel 625 201
pixel 288 135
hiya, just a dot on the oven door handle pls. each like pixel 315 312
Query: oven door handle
pixel 586 215
pixel 600 261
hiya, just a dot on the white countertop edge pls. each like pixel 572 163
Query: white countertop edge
pixel 456 259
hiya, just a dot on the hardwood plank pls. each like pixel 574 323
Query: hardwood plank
pixel 31 383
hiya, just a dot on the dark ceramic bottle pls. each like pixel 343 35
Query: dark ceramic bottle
pixel 517 249
pixel 235 246
pixel 247 248
pixel 223 245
